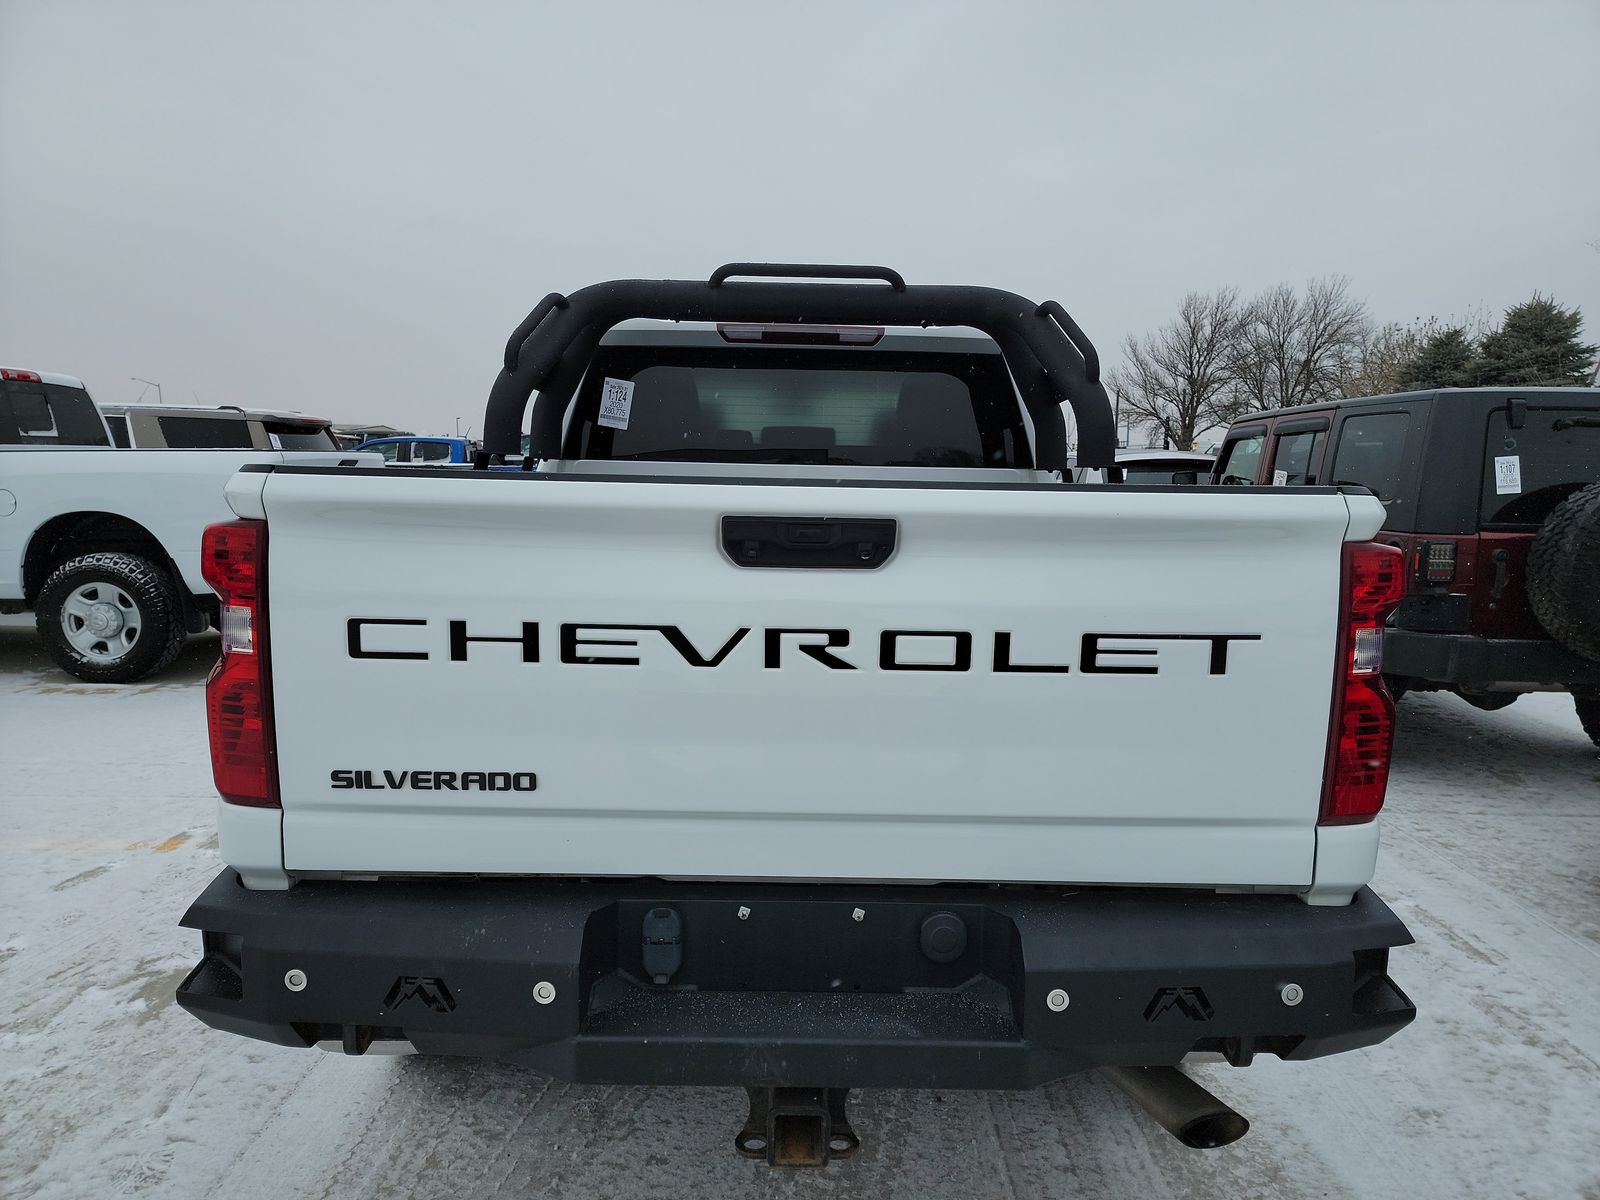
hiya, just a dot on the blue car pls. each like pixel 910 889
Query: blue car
pixel 423 451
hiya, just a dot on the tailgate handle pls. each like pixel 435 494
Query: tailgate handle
pixel 841 543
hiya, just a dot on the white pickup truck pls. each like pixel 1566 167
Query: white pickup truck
pixel 104 546
pixel 795 726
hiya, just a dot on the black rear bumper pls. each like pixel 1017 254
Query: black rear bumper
pixel 1472 662
pixel 798 991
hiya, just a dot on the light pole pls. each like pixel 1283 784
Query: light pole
pixel 148 384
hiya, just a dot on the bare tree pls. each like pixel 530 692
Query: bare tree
pixel 1176 379
pixel 1294 349
pixel 1387 355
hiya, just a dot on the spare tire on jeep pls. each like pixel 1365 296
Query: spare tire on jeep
pixel 1564 573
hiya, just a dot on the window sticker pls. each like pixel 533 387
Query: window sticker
pixel 616 403
pixel 1280 479
pixel 1508 475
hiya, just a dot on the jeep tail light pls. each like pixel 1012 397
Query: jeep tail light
pixel 233 559
pixel 1436 562
pixel 1361 736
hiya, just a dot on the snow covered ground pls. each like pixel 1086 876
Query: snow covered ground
pixel 1491 855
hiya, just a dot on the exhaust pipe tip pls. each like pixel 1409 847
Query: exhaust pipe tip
pixel 1180 1106
pixel 1211 1131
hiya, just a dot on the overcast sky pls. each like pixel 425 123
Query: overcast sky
pixel 345 208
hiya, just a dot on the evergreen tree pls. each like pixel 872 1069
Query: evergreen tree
pixel 1444 359
pixel 1537 344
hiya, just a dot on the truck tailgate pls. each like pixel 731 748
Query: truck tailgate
pixel 1158 713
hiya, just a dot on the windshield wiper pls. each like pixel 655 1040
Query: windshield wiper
pixel 1564 423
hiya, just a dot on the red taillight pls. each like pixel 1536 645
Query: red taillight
pixel 803 335
pixel 231 555
pixel 1362 734
pixel 233 559
pixel 12 376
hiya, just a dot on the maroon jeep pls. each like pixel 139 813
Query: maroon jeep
pixel 1494 495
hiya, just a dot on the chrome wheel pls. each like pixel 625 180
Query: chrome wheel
pixel 101 621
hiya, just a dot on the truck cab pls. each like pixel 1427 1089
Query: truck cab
pixel 40 408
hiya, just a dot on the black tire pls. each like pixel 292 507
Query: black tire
pixel 1588 706
pixel 161 630
pixel 1564 573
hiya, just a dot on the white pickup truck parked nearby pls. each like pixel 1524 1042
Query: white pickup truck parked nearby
pixel 104 546
pixel 38 408
pixel 796 727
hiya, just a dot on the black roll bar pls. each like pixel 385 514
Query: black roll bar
pixel 530 322
pixel 1052 360
pixel 805 271
pixel 1080 340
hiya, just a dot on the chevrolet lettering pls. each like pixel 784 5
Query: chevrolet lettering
pixel 1099 653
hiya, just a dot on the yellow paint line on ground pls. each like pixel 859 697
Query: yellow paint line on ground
pixel 163 847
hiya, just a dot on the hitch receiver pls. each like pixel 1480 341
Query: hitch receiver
pixel 797 1127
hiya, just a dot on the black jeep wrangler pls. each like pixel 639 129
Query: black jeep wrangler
pixel 1494 495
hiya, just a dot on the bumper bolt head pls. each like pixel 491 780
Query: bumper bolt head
pixel 544 991
pixel 1057 1000
pixel 744 913
pixel 859 914
pixel 1291 994
pixel 295 980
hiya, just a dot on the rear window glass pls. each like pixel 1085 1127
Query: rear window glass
pixel 1528 471
pixel 202 433
pixel 285 436
pixel 750 404
pixel 31 411
pixel 49 414
pixel 1372 453
pixel 1240 459
pixel 119 431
